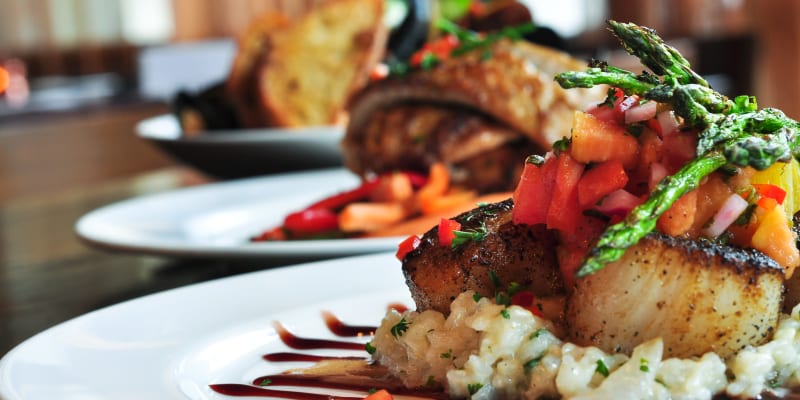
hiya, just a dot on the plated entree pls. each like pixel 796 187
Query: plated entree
pixel 649 254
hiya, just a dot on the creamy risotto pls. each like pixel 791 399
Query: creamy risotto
pixel 484 350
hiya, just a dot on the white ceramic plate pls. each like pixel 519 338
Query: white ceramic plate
pixel 246 152
pixel 217 220
pixel 173 344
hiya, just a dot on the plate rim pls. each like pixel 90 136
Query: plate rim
pixel 10 362
pixel 84 228
pixel 329 134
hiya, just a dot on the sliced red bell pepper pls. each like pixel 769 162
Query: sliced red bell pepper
pixel 344 198
pixel 534 192
pixel 447 228
pixel 599 181
pixel 564 211
pixel 311 221
pixel 771 191
pixel 406 246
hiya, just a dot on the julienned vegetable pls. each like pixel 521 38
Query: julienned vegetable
pixel 730 133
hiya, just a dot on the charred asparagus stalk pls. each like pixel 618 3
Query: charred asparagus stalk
pixel 731 132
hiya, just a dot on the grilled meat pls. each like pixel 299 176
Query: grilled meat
pixel 507 101
pixel 482 153
pixel 696 295
pixel 515 253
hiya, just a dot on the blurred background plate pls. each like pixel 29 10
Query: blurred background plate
pixel 246 152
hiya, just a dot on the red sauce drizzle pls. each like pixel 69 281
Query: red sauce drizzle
pixel 239 390
pixel 299 343
pixel 288 357
pixel 340 329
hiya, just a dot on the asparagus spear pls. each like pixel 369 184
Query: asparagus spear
pixel 732 132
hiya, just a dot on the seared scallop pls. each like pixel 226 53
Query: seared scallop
pixel 521 254
pixel 697 296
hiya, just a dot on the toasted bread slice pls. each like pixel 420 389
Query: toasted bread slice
pixel 241 87
pixel 317 62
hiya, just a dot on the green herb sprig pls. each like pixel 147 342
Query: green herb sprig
pixel 732 133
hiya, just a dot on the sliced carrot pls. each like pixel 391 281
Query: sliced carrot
pixel 448 201
pixel 438 184
pixel 367 217
pixel 595 140
pixel 382 394
pixel 392 187
pixel 422 224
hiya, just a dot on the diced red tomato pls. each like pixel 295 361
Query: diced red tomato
pixel 534 192
pixel 311 221
pixel 679 148
pixel 771 191
pixel 406 246
pixel 344 198
pixel 564 211
pixel 599 181
pixel 447 228
pixel 526 299
pixel 439 48
pixel 654 125
pixel 596 140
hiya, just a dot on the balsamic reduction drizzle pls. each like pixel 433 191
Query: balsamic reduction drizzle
pixel 258 387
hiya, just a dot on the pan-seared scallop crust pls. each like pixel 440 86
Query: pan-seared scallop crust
pixel 523 254
pixel 698 296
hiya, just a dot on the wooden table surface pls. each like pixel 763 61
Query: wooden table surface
pixel 53 170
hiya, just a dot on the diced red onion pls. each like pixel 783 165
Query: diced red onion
pixel 733 207
pixel 619 202
pixel 641 112
pixel 657 172
pixel 668 122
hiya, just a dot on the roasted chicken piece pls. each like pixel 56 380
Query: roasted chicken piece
pixel 501 98
pixel 523 254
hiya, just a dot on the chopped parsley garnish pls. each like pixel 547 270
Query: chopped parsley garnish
pixel 477 235
pixel 531 364
pixel 601 369
pixel 473 388
pixel 502 298
pixel 561 145
pixel 449 354
pixel 429 60
pixel 611 98
pixel 538 333
pixel 400 328
pixel 495 279
pixel 476 297
pixel 643 365
pixel 505 314
pixel 370 348
pixel 265 382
